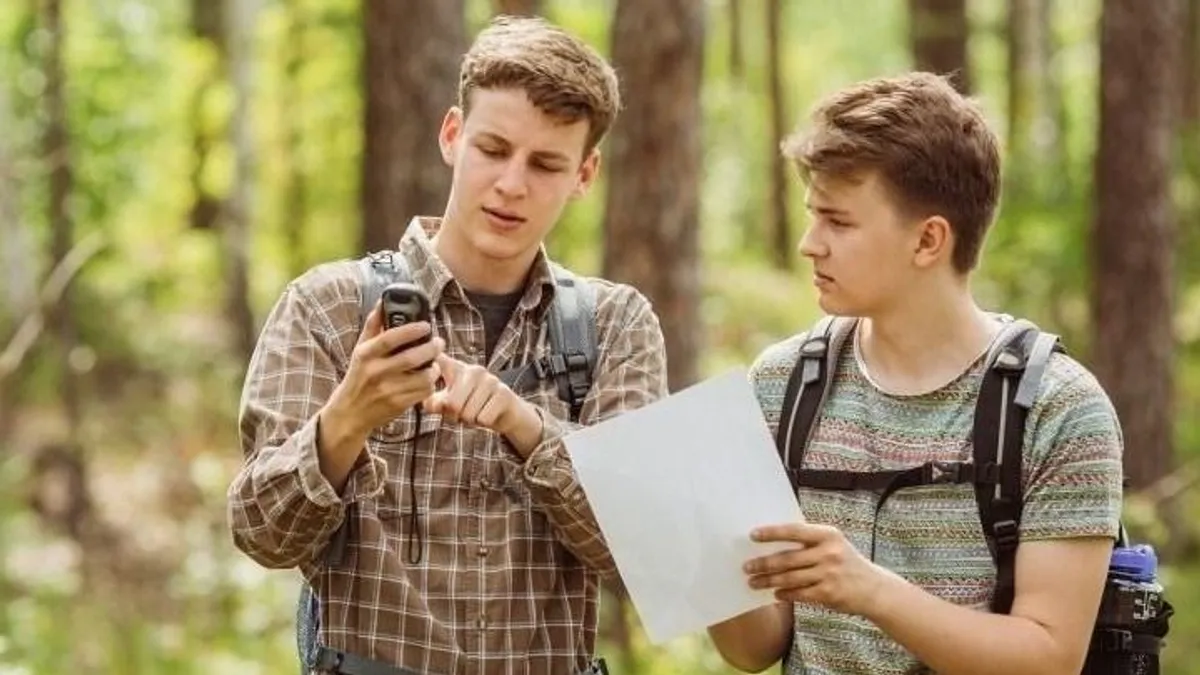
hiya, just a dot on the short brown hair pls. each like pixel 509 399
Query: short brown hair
pixel 563 77
pixel 931 145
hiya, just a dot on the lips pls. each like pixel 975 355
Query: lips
pixel 503 218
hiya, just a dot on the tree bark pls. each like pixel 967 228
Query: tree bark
pixel 18 251
pixel 781 231
pixel 235 234
pixel 518 7
pixel 1191 70
pixel 208 23
pixel 1024 79
pixel 295 191
pixel 737 61
pixel 651 216
pixel 1134 233
pixel 57 151
pixel 412 52
pixel 938 34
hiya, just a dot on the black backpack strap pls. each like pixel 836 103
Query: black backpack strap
pixel 1016 364
pixel 571 325
pixel 807 387
pixel 376 271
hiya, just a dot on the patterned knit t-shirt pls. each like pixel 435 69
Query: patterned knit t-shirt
pixel 931 535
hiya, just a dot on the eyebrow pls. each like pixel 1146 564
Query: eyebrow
pixel 824 210
pixel 543 155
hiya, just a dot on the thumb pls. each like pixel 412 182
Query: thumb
pixel 373 325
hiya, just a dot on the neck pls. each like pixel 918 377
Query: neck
pixel 476 272
pixel 924 343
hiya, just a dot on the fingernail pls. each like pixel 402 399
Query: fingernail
pixel 756 535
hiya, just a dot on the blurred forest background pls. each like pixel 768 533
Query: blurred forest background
pixel 167 165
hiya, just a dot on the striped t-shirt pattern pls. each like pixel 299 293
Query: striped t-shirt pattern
pixel 932 535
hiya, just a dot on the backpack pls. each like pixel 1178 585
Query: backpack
pixel 1015 363
pixel 571 325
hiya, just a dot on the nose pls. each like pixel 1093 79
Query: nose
pixel 511 182
pixel 810 245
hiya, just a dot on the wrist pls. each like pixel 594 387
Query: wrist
pixel 887 593
pixel 525 433
pixel 338 429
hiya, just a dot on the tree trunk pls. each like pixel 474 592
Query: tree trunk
pixel 412 51
pixel 236 227
pixel 781 231
pixel 651 215
pixel 18 252
pixel 208 25
pixel 57 150
pixel 1052 140
pixel 1134 228
pixel 737 61
pixel 295 191
pixel 518 7
pixel 938 34
pixel 1191 70
pixel 1024 83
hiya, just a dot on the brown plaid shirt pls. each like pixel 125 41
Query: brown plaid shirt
pixel 508 577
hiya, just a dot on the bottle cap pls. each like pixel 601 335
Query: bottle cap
pixel 1135 562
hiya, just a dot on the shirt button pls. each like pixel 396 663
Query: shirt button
pixel 481 623
pixel 485 483
pixel 483 551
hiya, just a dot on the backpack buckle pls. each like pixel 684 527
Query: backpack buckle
pixel 1006 534
pixel 1009 361
pixel 942 472
pixel 571 372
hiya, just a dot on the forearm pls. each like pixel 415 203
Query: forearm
pixel 282 510
pixel 340 445
pixel 556 491
pixel 754 641
pixel 956 640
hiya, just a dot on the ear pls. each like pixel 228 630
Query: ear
pixel 934 241
pixel 450 134
pixel 588 170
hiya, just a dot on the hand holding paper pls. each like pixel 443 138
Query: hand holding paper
pixel 677 487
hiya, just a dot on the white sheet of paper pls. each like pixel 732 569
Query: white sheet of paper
pixel 676 487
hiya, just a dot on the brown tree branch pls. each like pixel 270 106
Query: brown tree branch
pixel 31 328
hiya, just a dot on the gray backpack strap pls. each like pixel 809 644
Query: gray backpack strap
pixel 573 339
pixel 376 271
pixel 574 351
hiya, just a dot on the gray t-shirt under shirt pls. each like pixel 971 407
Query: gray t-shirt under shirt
pixel 496 310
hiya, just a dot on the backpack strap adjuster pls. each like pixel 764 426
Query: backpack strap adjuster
pixel 1006 534
pixel 572 372
pixel 938 472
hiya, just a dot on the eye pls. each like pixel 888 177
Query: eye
pixel 547 168
pixel 490 150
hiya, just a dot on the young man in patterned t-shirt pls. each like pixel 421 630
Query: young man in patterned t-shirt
pixel 903 177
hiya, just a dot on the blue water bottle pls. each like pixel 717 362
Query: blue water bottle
pixel 1131 621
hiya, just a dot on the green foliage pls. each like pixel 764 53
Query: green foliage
pixel 169 593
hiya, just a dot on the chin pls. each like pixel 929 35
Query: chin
pixel 498 247
pixel 830 305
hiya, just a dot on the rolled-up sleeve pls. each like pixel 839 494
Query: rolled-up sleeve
pixel 631 372
pixel 282 510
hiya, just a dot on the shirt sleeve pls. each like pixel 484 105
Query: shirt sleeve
pixel 282 510
pixel 631 373
pixel 1073 469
